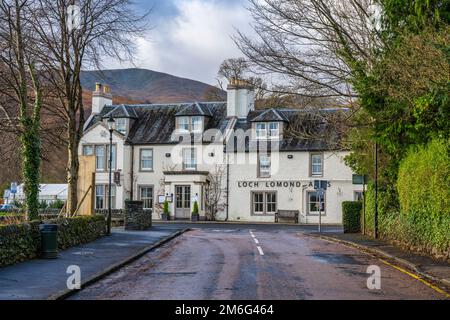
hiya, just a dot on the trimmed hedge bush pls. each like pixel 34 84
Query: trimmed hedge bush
pixel 22 242
pixel 351 216
pixel 423 222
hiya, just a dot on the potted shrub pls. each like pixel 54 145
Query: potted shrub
pixel 195 214
pixel 166 213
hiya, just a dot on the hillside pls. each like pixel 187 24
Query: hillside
pixel 149 86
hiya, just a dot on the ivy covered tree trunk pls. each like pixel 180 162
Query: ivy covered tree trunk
pixel 31 157
pixel 72 172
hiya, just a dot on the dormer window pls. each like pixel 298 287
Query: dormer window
pixel 274 130
pixel 196 124
pixel 190 124
pixel 267 130
pixel 121 125
pixel 261 130
pixel 183 124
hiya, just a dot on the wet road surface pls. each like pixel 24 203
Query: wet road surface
pixel 242 263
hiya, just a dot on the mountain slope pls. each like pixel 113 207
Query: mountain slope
pixel 149 86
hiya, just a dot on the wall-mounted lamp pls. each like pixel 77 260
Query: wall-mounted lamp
pixel 168 155
pixel 211 154
pixel 290 156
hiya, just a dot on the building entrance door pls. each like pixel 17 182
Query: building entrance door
pixel 183 202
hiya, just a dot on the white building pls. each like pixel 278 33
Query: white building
pixel 47 192
pixel 247 163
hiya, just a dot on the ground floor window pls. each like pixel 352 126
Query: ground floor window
pixel 358 196
pixel 101 197
pixel 146 196
pixel 264 202
pixel 316 201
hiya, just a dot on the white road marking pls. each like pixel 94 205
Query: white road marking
pixel 260 250
pixel 256 241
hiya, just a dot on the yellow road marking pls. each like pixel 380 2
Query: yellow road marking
pixel 435 288
pixel 417 278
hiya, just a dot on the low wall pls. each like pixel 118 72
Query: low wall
pixel 20 242
pixel 136 218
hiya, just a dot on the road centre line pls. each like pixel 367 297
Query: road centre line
pixel 256 241
pixel 261 252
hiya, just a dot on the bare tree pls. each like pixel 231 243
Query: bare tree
pixel 215 192
pixel 107 29
pixel 233 68
pixel 21 84
pixel 312 46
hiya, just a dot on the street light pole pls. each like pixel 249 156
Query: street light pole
pixel 111 129
pixel 376 193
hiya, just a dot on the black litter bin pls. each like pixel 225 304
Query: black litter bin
pixel 49 241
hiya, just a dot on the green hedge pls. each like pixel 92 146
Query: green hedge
pixel 422 223
pixel 21 242
pixel 351 216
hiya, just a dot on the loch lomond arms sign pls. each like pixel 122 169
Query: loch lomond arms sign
pixel 276 184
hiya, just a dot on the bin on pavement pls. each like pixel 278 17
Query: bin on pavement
pixel 49 241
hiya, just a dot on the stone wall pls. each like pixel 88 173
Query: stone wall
pixel 136 218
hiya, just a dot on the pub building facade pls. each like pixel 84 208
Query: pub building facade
pixel 247 163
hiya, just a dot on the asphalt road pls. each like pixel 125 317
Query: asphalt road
pixel 250 262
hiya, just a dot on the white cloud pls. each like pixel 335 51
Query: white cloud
pixel 194 43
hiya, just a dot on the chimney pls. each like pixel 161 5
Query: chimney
pixel 240 98
pixel 101 97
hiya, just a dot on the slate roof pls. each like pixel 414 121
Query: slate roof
pixel 153 124
pixel 267 116
pixel 321 134
pixel 122 111
pixel 195 109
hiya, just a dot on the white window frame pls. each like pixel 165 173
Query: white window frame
pixel 100 165
pixel 264 171
pixel 324 204
pixel 149 158
pixel 146 198
pixel 198 124
pixel 313 164
pixel 272 131
pixel 183 124
pixel 265 202
pixel 121 125
pixel 356 193
pixel 92 150
pixel 105 196
pixel 189 164
pixel 261 130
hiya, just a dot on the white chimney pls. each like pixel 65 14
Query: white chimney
pixel 240 98
pixel 100 98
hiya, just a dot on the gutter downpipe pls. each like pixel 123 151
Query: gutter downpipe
pixel 132 173
pixel 228 186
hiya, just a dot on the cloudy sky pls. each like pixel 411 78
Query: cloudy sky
pixel 190 38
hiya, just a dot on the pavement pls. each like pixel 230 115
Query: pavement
pixel 46 279
pixel 263 262
pixel 426 267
